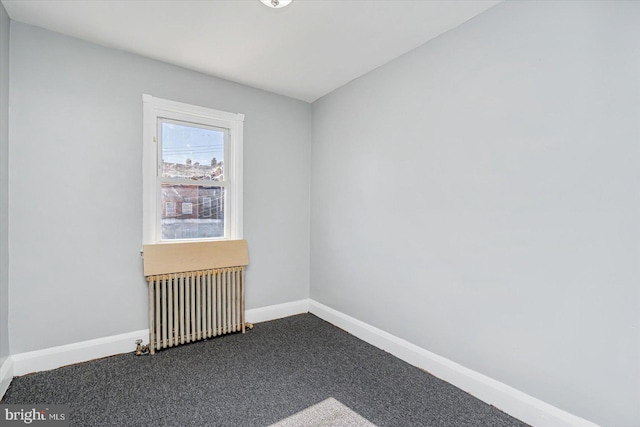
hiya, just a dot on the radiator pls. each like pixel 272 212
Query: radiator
pixel 192 306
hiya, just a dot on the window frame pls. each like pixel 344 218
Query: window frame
pixel 158 108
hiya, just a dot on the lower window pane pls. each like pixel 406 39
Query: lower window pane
pixel 192 212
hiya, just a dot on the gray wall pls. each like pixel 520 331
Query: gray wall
pixel 4 184
pixel 75 186
pixel 478 197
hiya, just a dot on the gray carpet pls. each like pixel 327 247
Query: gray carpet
pixel 257 379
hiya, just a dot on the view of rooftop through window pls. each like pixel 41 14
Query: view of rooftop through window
pixel 192 151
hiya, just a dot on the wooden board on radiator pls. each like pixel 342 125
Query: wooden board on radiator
pixel 193 256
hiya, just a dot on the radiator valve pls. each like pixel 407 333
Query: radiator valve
pixel 141 349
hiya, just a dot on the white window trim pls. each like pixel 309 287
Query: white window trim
pixel 154 108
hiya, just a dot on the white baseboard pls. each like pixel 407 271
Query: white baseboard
pixel 55 357
pixel 6 375
pixel 514 402
pixel 278 311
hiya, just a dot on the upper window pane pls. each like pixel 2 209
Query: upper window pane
pixel 191 151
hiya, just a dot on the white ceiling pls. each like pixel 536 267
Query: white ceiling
pixel 304 51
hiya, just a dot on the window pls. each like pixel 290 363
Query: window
pixel 187 209
pixel 192 172
pixel 170 208
pixel 206 207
